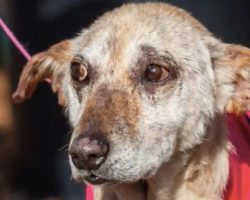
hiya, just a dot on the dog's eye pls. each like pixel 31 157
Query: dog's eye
pixel 156 73
pixel 78 71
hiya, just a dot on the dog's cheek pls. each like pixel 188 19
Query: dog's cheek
pixel 73 107
pixel 161 124
pixel 144 153
pixel 141 157
pixel 126 163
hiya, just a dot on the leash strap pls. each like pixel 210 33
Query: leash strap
pixel 15 41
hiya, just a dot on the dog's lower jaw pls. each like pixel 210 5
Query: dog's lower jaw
pixel 198 174
pixel 133 191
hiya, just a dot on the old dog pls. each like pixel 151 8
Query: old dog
pixel 145 88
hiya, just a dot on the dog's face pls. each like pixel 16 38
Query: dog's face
pixel 144 75
pixel 143 82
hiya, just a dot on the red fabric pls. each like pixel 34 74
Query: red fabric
pixel 238 187
pixel 89 193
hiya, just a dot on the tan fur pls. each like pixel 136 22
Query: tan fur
pixel 133 191
pixel 104 111
pixel 190 175
pixel 170 135
pixel 8 146
pixel 49 64
pixel 6 115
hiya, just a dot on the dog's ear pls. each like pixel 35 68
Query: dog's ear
pixel 232 70
pixel 49 64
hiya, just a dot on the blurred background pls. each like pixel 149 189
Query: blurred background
pixel 34 135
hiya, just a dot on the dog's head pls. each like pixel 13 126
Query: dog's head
pixel 141 83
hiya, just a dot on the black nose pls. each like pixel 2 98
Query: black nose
pixel 89 152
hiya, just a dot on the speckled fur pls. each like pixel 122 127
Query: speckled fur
pixel 171 134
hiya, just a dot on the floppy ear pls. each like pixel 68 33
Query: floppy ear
pixel 232 71
pixel 49 64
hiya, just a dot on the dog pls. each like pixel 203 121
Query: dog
pixel 146 88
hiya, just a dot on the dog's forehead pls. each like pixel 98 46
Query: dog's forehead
pixel 115 40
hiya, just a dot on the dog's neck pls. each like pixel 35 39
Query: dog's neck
pixel 200 173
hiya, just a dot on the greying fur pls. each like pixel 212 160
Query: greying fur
pixel 172 135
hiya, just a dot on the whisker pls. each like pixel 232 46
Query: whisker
pixel 66 145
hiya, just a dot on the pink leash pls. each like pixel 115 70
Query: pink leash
pixel 27 56
pixel 16 42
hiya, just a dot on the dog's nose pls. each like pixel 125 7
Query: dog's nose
pixel 89 152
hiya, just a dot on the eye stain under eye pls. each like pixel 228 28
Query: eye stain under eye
pixel 79 93
pixel 80 85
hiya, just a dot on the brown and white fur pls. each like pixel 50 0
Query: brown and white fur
pixel 170 135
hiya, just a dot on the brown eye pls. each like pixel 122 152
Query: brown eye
pixel 156 73
pixel 78 71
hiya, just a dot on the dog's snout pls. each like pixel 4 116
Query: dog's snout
pixel 89 152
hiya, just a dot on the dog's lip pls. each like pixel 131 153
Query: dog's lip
pixel 96 180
